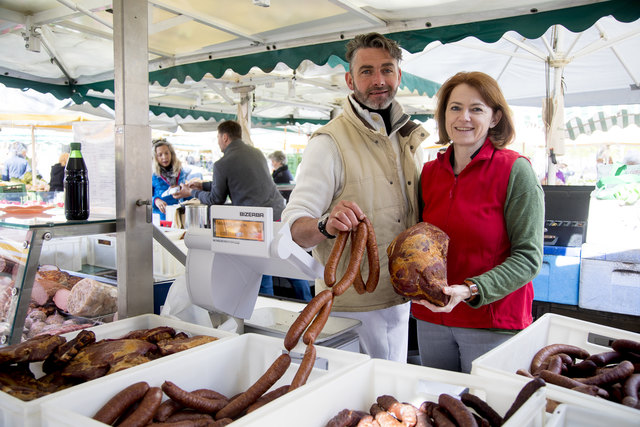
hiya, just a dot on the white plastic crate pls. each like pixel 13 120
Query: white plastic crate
pixel 611 286
pixel 229 368
pixel 101 250
pixel 359 388
pixel 64 252
pixel 575 416
pixel 15 412
pixel 517 353
pixel 165 265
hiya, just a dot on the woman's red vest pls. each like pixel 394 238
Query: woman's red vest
pixel 470 209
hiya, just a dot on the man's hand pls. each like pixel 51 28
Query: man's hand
pixel 183 192
pixel 458 293
pixel 194 184
pixel 344 216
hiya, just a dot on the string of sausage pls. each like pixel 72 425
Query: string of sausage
pixel 313 317
pixel 310 322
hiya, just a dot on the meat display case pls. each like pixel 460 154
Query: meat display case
pixel 22 235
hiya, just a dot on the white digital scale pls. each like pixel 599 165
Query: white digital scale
pixel 225 263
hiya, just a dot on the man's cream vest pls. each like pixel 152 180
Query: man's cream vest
pixel 371 180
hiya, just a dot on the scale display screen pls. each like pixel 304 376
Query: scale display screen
pixel 238 229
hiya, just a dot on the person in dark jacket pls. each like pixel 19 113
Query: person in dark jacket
pixel 56 182
pixel 281 173
pixel 242 175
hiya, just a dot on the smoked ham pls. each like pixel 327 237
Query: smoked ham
pixel 90 298
pixel 418 263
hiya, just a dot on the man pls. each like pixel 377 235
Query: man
pixel 17 165
pixel 242 174
pixel 365 162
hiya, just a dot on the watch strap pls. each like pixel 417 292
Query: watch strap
pixel 322 227
pixel 473 288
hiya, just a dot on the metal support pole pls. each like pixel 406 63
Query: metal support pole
pixel 133 150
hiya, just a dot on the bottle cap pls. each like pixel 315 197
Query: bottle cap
pixel 75 146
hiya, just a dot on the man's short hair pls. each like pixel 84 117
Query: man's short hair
pixel 375 40
pixel 231 128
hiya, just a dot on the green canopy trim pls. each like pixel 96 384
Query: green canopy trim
pixel 601 122
pixel 531 26
pixel 575 19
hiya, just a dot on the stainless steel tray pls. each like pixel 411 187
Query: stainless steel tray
pixel 276 322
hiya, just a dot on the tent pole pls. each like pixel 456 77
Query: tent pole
pixel 34 163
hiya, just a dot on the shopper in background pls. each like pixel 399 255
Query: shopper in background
pixel 242 175
pixel 16 166
pixel 489 202
pixel 168 173
pixel 56 181
pixel 365 162
pixel 281 173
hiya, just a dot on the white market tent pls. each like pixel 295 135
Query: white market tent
pixel 205 57
pixel 77 50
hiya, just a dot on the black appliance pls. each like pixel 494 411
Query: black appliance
pixel 565 214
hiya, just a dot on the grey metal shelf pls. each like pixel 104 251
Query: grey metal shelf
pixel 34 230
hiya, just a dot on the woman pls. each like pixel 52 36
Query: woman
pixel 56 183
pixel 281 173
pixel 168 173
pixel 489 202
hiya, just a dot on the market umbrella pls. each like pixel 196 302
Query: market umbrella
pixel 598 66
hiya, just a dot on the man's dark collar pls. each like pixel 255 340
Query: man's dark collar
pixel 385 113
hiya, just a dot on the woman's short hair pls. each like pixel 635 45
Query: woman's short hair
pixel 279 157
pixel 176 165
pixel 503 132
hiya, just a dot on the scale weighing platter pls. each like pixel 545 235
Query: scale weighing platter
pixel 225 263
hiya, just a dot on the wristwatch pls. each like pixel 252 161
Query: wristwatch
pixel 473 288
pixel 322 226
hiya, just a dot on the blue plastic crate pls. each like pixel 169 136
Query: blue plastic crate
pixel 559 278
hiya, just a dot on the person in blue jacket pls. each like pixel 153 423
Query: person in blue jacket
pixel 168 173
pixel 17 165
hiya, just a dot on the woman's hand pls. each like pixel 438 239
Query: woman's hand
pixel 161 204
pixel 457 293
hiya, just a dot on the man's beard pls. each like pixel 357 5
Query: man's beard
pixel 363 98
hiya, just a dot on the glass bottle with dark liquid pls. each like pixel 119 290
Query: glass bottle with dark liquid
pixel 76 185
